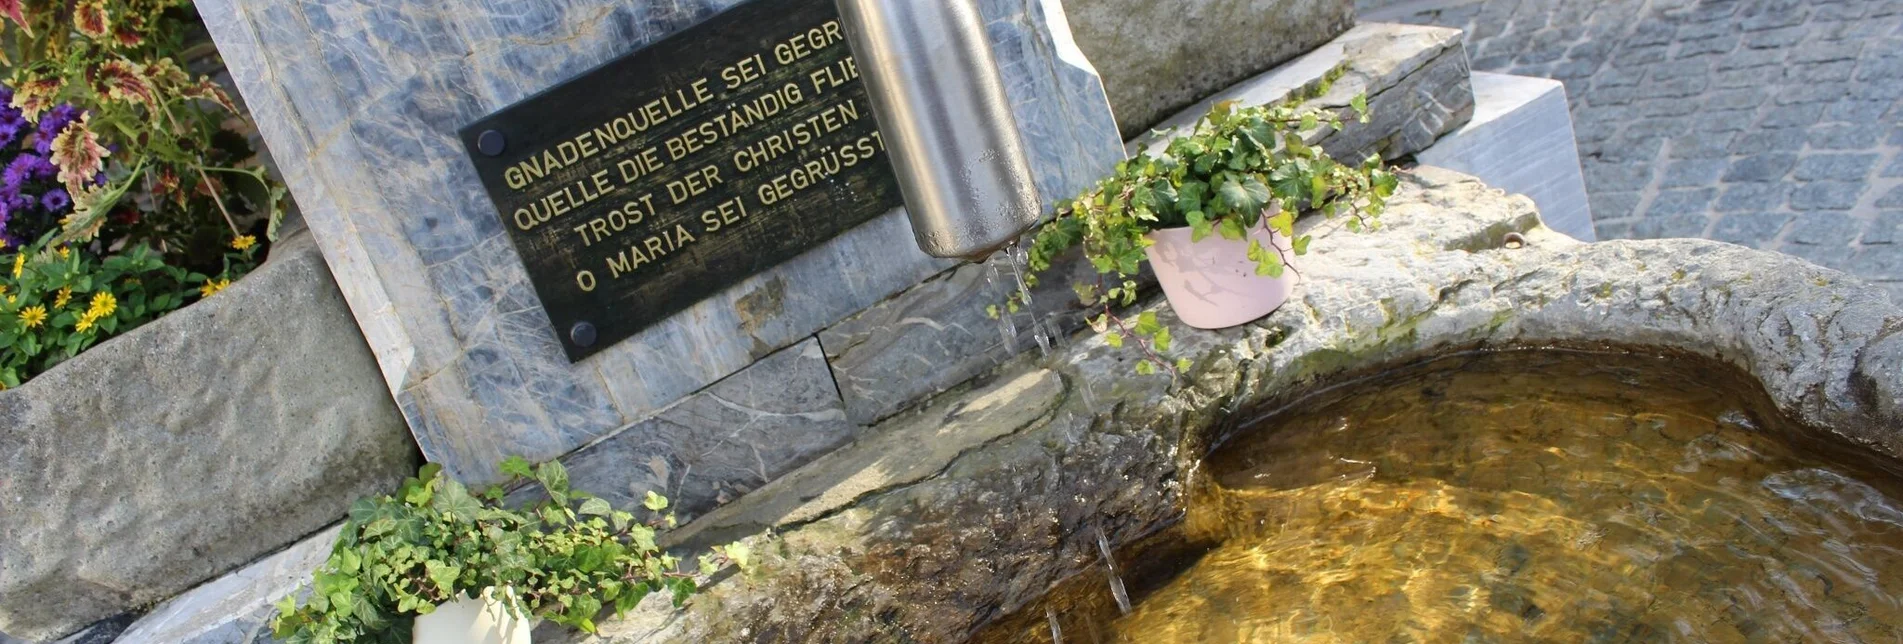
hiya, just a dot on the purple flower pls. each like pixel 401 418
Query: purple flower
pixel 57 119
pixel 44 168
pixel 55 201
pixel 9 130
pixel 15 176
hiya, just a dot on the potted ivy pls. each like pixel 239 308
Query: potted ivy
pixel 1214 214
pixel 437 563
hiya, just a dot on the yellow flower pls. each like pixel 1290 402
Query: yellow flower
pixel 19 262
pixel 212 287
pixel 85 322
pixel 65 295
pixel 244 242
pixel 33 316
pixel 103 305
pixel 65 253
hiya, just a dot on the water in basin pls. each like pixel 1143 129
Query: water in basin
pixel 1512 495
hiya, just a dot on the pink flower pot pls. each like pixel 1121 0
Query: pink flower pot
pixel 1211 283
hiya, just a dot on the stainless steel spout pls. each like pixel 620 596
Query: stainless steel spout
pixel 943 113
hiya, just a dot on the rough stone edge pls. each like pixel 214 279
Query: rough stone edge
pixel 296 251
pixel 834 569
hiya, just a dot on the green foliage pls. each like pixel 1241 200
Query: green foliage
pixel 55 303
pixel 1237 169
pixel 566 559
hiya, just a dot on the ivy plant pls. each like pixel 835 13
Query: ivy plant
pixel 1237 168
pixel 565 559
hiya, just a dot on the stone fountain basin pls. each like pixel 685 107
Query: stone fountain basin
pixel 944 518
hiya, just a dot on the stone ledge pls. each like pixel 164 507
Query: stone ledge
pixel 1521 140
pixel 936 558
pixel 1157 57
pixel 188 447
pixel 937 334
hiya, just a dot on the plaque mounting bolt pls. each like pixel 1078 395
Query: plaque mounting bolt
pixel 490 142
pixel 582 334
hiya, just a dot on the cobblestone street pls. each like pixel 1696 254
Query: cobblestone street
pixel 1770 123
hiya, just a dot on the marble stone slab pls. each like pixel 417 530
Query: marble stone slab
pixel 770 418
pixel 1521 140
pixel 360 100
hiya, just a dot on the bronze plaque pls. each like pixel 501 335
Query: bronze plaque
pixel 651 182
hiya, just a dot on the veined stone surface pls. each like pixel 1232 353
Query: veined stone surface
pixel 359 101
pixel 937 334
pixel 1415 79
pixel 718 444
pixel 189 447
pixel 1157 57
pixel 1521 140
pixel 932 559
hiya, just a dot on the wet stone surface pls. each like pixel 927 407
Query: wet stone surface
pixel 1775 124
pixel 1550 495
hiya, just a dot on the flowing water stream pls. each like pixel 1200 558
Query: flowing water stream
pixel 1520 495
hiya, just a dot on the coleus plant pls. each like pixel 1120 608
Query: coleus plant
pixel 141 148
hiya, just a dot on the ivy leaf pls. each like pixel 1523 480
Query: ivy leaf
pixel 1232 229
pixel 596 507
pixel 553 476
pixel 1283 222
pixel 741 554
pixel 443 575
pixel 1146 367
pixel 1246 195
pixel 1147 324
pixel 1182 364
pixel 1360 104
pixel 518 467
pixel 654 502
pixel 1161 340
pixel 454 501
pixel 1199 227
pixel 1300 244
pixel 1114 339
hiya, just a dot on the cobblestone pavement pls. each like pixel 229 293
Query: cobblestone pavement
pixel 1769 123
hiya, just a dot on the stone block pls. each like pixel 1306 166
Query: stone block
pixel 362 118
pixel 937 334
pixel 1754 229
pixel 1746 197
pixel 1763 167
pixel 1157 57
pixel 1684 201
pixel 189 447
pixel 1691 173
pixel 708 449
pixel 235 608
pixel 1827 195
pixel 1834 167
pixel 1521 140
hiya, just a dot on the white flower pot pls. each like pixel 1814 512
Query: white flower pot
pixel 481 620
pixel 1212 284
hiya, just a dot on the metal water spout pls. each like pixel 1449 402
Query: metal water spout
pixel 946 121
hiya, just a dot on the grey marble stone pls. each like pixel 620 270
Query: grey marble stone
pixel 937 334
pixel 235 608
pixel 710 448
pixel 1157 57
pixel 1521 140
pixel 189 447
pixel 359 101
pixel 1415 78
